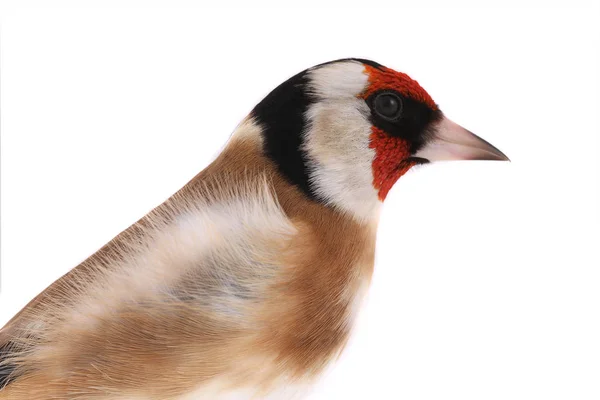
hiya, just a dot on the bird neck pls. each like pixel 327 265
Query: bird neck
pixel 348 195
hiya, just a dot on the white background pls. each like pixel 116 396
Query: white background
pixel 487 282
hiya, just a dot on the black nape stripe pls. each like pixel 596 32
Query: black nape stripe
pixel 281 115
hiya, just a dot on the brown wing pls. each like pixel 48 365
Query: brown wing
pixel 301 322
pixel 14 330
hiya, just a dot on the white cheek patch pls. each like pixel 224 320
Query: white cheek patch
pixel 337 145
pixel 248 129
pixel 338 80
pixel 336 141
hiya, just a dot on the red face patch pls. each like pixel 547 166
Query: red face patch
pixel 390 151
pixel 387 164
pixel 385 78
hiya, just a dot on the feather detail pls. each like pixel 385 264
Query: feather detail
pixel 237 282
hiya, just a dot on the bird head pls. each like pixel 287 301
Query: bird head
pixel 345 131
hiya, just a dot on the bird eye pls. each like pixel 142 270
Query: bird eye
pixel 388 106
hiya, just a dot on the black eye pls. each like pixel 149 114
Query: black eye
pixel 388 106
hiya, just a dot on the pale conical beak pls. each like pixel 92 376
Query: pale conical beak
pixel 451 141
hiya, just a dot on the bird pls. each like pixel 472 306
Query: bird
pixel 245 283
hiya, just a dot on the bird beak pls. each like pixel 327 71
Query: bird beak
pixel 451 141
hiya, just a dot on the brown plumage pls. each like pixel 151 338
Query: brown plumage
pixel 299 329
pixel 245 283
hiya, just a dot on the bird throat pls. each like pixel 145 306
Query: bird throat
pixel 390 161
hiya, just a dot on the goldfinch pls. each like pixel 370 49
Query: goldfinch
pixel 244 284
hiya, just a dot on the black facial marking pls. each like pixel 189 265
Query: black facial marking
pixel 281 115
pixel 388 106
pixel 413 124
